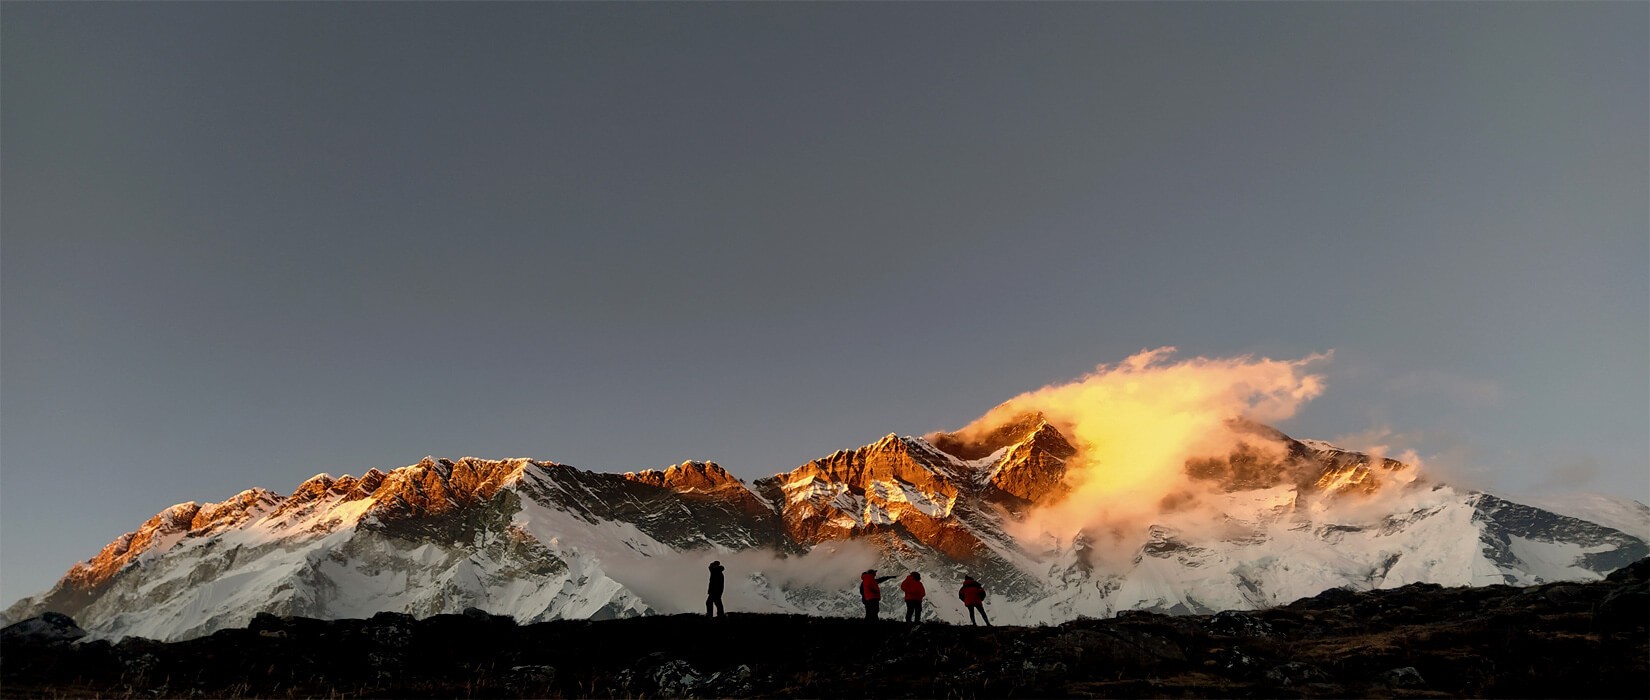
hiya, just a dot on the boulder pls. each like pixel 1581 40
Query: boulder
pixel 1231 623
pixel 1404 677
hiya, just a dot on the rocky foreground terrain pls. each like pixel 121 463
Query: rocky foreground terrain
pixel 1422 640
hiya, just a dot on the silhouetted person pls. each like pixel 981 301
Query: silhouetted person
pixel 870 591
pixel 714 599
pixel 914 593
pixel 973 596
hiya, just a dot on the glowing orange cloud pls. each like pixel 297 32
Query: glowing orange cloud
pixel 1136 423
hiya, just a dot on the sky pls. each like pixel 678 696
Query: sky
pixel 245 243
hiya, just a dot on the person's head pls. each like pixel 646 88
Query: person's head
pixel 870 572
pixel 716 563
pixel 968 578
pixel 916 576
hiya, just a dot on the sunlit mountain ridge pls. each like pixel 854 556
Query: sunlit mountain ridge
pixel 1275 520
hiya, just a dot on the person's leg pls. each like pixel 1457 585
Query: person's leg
pixel 971 616
pixel 719 610
pixel 983 616
pixel 709 602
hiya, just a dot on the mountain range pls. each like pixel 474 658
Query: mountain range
pixel 537 540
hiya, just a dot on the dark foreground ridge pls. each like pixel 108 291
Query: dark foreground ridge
pixel 1554 640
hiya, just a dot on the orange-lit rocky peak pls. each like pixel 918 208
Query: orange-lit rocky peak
pixel 687 476
pixel 238 509
pixel 314 487
pixel 893 485
pixel 1047 438
pixel 440 485
pixel 167 527
pixel 368 483
pixel 312 490
pixel 175 518
pixel 1266 457
pixel 1034 468
pixel 1345 472
pixel 972 443
pixel 892 458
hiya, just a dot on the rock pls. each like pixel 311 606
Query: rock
pixel 391 630
pixel 1043 671
pixel 1113 646
pixel 1295 673
pixel 657 675
pixel 733 682
pixel 1231 623
pixel 1405 677
pixel 385 665
pixel 676 679
pixel 47 628
pixel 140 664
pixel 532 680
pixel 1235 662
pixel 393 635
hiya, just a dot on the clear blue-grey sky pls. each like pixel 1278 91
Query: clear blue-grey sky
pixel 244 243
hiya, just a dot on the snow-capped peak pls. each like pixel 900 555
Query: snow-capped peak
pixel 538 540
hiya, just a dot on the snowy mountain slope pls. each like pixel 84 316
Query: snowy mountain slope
pixel 538 540
pixel 1624 514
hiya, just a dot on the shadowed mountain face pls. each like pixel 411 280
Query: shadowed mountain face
pixel 541 541
pixel 1420 640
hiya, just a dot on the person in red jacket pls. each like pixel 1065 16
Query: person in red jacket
pixel 870 591
pixel 914 593
pixel 973 596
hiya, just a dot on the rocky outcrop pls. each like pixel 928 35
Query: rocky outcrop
pixel 688 477
pixel 235 512
pixel 912 499
pixel 437 486
pixel 1343 471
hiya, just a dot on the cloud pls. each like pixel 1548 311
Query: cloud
pixel 1136 423
pixel 1378 443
